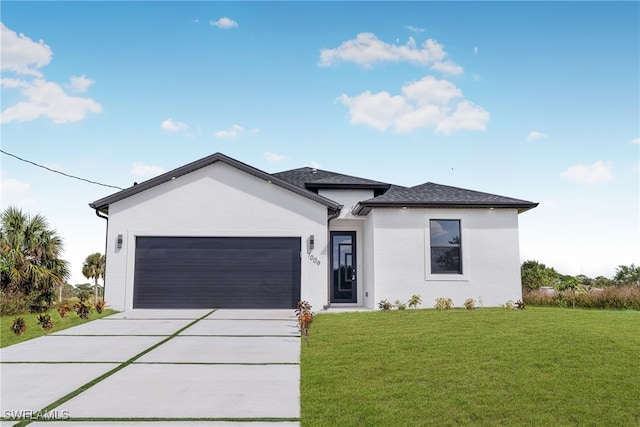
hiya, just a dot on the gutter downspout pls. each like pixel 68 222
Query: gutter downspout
pixel 106 241
pixel 330 218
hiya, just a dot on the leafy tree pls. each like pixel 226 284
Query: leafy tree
pixel 602 282
pixel 535 274
pixel 627 275
pixel 93 268
pixel 30 263
pixel 569 283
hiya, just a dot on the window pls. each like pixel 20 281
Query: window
pixel 446 246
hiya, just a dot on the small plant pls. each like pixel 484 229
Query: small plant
pixel 18 326
pixel 100 305
pixel 509 305
pixel 83 308
pixel 400 305
pixel 443 303
pixel 385 305
pixel 414 301
pixel 63 310
pixel 305 316
pixel 518 305
pixel 469 304
pixel 45 321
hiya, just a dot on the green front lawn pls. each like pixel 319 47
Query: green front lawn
pixel 486 367
pixel 34 330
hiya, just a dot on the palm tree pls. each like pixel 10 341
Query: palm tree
pixel 93 268
pixel 30 255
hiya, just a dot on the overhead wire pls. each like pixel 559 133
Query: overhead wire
pixel 58 172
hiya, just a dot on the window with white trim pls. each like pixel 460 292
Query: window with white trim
pixel 445 246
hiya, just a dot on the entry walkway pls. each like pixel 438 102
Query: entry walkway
pixel 159 368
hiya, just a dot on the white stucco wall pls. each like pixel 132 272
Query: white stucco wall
pixel 401 263
pixel 348 199
pixel 217 200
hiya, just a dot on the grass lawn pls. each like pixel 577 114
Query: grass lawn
pixel 486 367
pixel 7 337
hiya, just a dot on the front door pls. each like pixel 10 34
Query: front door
pixel 343 266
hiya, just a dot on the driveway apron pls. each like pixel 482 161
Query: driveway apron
pixel 158 368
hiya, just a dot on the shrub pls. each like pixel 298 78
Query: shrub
pixel 469 304
pixel 305 316
pixel 443 303
pixel 18 326
pixel 15 302
pixel 45 321
pixel 518 305
pixel 100 305
pixel 83 308
pixel 509 305
pixel 385 305
pixel 63 309
pixel 414 301
pixel 400 305
pixel 612 297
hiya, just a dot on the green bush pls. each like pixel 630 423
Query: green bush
pixel 385 305
pixel 443 303
pixel 13 302
pixel 83 308
pixel 414 301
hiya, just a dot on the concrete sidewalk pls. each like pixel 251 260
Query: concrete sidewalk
pixel 159 368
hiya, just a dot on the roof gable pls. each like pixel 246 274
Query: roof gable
pixel 103 204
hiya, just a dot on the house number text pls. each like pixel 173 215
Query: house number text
pixel 314 260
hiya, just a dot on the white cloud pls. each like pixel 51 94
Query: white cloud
pixel 142 170
pixel 366 49
pixel 224 23
pixel 428 102
pixel 273 157
pixel 47 99
pixel 173 126
pixel 536 135
pixel 233 132
pixel 414 29
pixel 313 164
pixel 12 185
pixel 475 50
pixel 589 174
pixel 635 141
pixel 81 84
pixel 22 55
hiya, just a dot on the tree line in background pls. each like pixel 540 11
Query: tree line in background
pixel 32 274
pixel 536 275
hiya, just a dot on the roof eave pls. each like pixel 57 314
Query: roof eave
pixel 314 185
pixel 363 208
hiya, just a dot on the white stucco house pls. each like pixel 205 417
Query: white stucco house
pixel 218 233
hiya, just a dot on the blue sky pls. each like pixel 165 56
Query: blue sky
pixel 538 101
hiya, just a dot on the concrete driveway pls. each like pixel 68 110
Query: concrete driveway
pixel 159 368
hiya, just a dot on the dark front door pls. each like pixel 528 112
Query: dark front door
pixel 343 265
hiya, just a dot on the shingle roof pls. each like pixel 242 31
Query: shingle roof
pixel 103 204
pixel 304 181
pixel 436 195
pixel 311 178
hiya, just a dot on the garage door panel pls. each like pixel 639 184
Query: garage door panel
pixel 208 272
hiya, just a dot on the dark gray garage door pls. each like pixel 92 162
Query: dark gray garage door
pixel 217 272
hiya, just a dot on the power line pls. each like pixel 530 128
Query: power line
pixel 61 173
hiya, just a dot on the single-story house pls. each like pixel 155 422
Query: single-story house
pixel 218 233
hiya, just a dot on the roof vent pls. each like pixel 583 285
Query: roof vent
pixel 314 170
